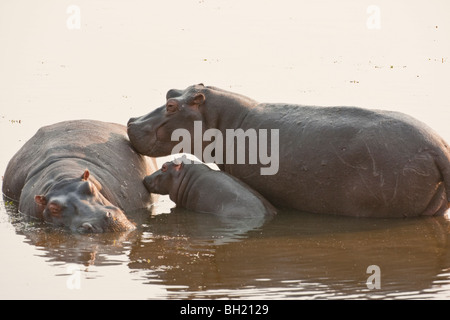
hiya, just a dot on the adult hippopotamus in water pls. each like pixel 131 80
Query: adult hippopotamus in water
pixel 83 174
pixel 337 160
pixel 197 187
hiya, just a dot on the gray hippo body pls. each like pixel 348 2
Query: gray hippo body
pixel 336 160
pixel 83 175
pixel 197 187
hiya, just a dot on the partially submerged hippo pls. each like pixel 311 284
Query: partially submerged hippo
pixel 197 187
pixel 83 175
pixel 338 160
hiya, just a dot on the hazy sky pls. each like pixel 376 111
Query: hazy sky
pixel 127 54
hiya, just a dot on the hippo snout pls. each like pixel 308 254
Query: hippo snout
pixel 88 227
pixel 149 183
pixel 131 121
pixel 109 221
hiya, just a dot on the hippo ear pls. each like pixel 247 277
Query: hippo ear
pixel 85 175
pixel 41 200
pixel 198 100
pixel 178 166
pixel 184 159
pixel 177 160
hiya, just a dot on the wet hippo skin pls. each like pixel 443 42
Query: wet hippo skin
pixel 197 187
pixel 336 160
pixel 81 174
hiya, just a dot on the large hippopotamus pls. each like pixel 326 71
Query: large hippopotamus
pixel 197 187
pixel 337 160
pixel 81 174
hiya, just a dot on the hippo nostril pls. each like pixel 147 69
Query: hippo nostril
pixel 86 227
pixel 131 121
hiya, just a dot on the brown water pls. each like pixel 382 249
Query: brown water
pixel 189 255
pixel 120 63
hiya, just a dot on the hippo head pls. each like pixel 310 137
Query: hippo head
pixel 161 181
pixel 151 134
pixel 79 205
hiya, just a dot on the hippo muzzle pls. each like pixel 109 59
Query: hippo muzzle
pixel 109 221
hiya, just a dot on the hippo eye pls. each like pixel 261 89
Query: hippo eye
pixel 171 107
pixel 164 167
pixel 55 209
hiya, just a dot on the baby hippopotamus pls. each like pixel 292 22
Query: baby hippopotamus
pixel 195 186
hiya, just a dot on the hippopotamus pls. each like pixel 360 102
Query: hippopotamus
pixel 83 175
pixel 337 160
pixel 195 186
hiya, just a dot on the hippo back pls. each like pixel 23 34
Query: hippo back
pixel 101 147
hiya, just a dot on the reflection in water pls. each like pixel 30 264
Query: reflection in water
pixel 293 255
pixel 61 245
pixel 298 255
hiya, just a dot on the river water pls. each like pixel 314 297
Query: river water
pixel 121 61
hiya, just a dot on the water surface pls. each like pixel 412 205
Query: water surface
pixel 182 254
